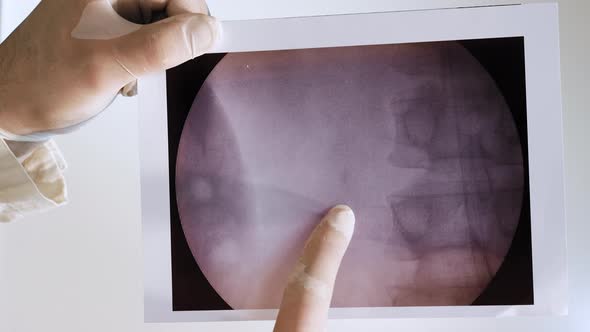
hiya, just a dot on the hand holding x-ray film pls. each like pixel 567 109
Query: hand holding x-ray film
pixel 68 60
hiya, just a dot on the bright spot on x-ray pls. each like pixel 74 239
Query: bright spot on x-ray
pixel 417 139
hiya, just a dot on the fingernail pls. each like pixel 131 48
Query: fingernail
pixel 205 32
pixel 341 218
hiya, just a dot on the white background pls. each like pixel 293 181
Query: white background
pixel 79 268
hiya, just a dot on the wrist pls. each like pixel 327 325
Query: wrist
pixel 10 124
pixel 12 110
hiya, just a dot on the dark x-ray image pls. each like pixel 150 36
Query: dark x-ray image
pixel 426 142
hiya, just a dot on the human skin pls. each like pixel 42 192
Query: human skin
pixel 417 139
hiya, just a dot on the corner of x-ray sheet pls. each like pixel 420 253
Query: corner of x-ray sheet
pixel 262 9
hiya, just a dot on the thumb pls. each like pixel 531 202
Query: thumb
pixel 165 44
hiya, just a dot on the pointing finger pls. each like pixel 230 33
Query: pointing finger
pixel 307 298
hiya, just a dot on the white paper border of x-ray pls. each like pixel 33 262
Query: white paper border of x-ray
pixel 538 23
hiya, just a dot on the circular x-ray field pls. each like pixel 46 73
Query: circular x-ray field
pixel 416 138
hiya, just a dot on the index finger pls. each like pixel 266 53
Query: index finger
pixel 307 298
pixel 141 11
pixel 176 7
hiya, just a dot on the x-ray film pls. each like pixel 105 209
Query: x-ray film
pixel 430 140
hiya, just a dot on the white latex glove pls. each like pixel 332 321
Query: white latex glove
pixel 68 60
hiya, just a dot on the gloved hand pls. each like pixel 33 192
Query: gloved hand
pixel 68 60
